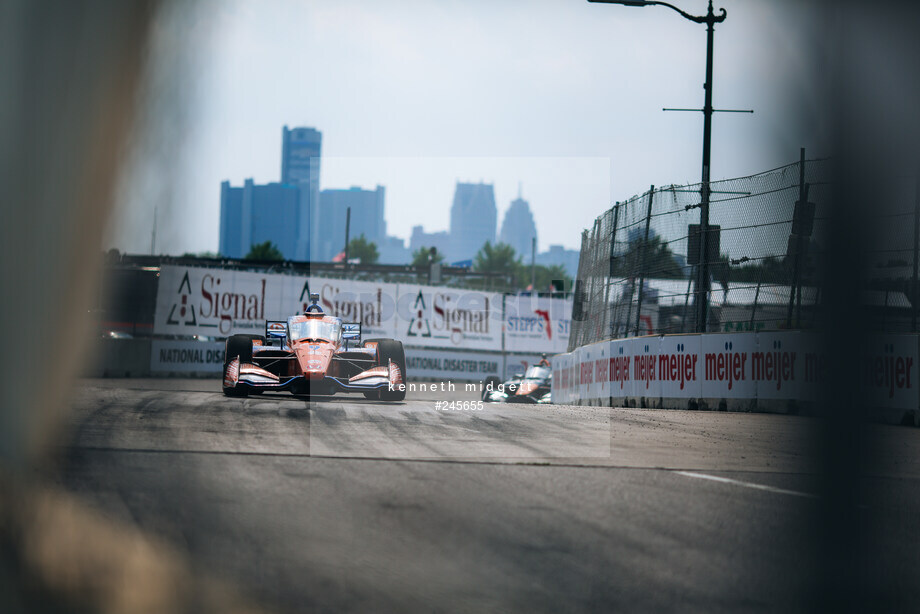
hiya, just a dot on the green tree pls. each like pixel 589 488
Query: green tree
pixel 771 269
pixel 498 258
pixel 420 257
pixel 264 252
pixel 364 250
pixel 546 275
pixel 201 255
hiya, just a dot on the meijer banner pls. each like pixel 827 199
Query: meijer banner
pixel 769 366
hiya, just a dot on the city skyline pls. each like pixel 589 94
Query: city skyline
pixel 307 221
pixel 535 169
pixel 547 180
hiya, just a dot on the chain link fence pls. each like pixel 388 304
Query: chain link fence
pixel 889 253
pixel 639 267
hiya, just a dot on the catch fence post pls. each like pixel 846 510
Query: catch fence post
pixel 611 332
pixel 754 310
pixel 642 262
pixel 797 243
pixel 885 312
pixel 914 285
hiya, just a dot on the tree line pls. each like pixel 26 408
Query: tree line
pixel 499 259
pixel 651 259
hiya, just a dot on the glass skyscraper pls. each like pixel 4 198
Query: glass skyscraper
pixel 285 213
pixel 518 228
pixel 300 153
pixel 301 149
pixel 473 218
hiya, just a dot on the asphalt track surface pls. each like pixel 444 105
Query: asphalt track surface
pixel 349 505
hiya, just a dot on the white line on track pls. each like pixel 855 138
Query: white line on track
pixel 715 478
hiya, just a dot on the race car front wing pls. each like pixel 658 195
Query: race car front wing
pixel 258 378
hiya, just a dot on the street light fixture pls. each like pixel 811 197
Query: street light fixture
pixel 710 19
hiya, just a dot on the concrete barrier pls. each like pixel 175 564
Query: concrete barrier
pixel 120 358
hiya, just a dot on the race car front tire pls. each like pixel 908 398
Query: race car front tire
pixel 391 349
pixel 485 396
pixel 238 346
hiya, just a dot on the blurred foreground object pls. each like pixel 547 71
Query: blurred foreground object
pixel 57 554
pixel 69 73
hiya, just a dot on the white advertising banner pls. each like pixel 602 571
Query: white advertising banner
pixel 889 371
pixel 537 324
pixel 581 375
pixel 220 302
pixel 726 363
pixel 186 356
pixel 785 365
pixel 602 370
pixel 370 303
pixel 570 377
pixel 446 365
pixel 779 364
pixel 564 378
pixel 620 369
pixel 645 362
pixel 449 318
pixel 588 370
pixel 680 374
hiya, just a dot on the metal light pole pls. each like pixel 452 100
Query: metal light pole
pixel 710 19
pixel 347 230
pixel 703 281
pixel 533 266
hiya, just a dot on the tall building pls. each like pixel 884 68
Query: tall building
pixel 305 224
pixel 438 240
pixel 367 218
pixel 254 214
pixel 286 213
pixel 301 149
pixel 231 222
pixel 473 218
pixel 518 228
pixel 300 153
pixel 393 251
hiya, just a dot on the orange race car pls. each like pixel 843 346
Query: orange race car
pixel 315 354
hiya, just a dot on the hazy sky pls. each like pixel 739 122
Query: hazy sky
pixel 561 95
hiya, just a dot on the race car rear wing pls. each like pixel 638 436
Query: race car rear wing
pixel 351 331
pixel 275 329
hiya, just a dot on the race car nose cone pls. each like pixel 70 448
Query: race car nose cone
pixel 526 388
pixel 313 359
